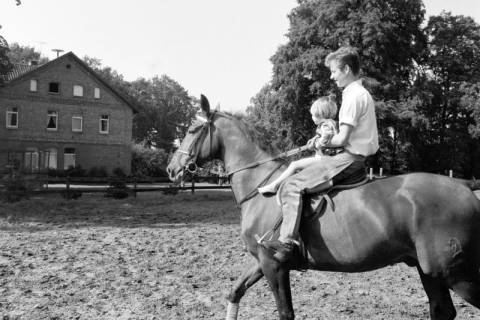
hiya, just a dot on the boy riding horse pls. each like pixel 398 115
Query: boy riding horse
pixel 358 136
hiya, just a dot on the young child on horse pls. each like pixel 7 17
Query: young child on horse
pixel 323 112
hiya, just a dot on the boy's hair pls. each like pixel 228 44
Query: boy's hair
pixel 324 108
pixel 345 56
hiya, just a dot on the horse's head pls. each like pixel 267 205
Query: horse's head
pixel 200 144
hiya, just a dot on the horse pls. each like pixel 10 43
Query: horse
pixel 428 221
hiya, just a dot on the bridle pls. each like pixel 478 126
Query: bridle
pixel 206 131
pixel 196 145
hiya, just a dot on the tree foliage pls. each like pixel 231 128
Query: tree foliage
pixel 376 28
pixel 443 123
pixel 425 80
pixel 5 64
pixel 25 55
pixel 165 107
pixel 166 111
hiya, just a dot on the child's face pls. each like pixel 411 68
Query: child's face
pixel 316 119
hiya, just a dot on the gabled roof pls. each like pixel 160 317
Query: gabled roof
pixel 18 70
pixel 21 71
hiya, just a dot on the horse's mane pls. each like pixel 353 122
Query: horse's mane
pixel 251 131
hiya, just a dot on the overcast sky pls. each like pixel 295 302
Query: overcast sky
pixel 220 48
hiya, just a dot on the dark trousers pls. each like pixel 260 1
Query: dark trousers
pixel 296 187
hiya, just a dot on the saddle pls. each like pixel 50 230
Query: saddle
pixel 315 205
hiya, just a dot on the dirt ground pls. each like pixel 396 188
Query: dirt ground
pixel 168 257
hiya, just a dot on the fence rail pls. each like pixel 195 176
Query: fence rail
pixel 70 187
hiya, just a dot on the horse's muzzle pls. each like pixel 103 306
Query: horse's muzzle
pixel 174 175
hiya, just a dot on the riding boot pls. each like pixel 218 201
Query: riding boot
pixel 286 248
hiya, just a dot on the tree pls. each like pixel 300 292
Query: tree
pixel 450 68
pixel 263 114
pixel 167 111
pixel 5 64
pixel 318 27
pixel 165 108
pixel 25 55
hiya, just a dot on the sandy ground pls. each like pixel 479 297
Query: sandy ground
pixel 168 257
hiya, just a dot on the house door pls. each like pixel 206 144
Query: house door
pixel 68 158
pixel 30 161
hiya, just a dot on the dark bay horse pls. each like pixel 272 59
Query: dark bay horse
pixel 427 221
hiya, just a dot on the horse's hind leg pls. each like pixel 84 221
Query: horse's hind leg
pixel 246 280
pixel 441 305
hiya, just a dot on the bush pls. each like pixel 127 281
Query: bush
pixel 118 172
pixel 148 162
pixel 76 171
pixel 118 188
pixel 100 172
pixel 15 188
pixel 55 173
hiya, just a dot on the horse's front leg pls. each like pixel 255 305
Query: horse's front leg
pixel 249 277
pixel 278 277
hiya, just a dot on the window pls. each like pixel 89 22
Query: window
pixel 104 123
pixel 77 122
pixel 12 118
pixel 96 93
pixel 54 87
pixel 68 158
pixel 33 85
pixel 52 120
pixel 50 159
pixel 77 91
pixel 31 160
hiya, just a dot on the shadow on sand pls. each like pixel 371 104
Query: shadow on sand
pixel 148 210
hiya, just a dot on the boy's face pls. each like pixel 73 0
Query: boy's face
pixel 342 77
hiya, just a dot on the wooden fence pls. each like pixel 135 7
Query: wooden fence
pixel 72 187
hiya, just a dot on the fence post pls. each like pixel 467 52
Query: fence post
pixel 68 188
pixel 370 175
pixel 134 187
pixel 381 172
pixel 450 173
pixel 193 183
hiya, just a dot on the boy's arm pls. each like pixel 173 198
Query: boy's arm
pixel 340 139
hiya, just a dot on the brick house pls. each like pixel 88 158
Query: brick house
pixel 63 114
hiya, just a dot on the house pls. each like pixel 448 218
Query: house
pixel 62 114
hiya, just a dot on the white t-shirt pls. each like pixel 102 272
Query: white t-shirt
pixel 358 110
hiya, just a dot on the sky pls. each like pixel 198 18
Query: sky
pixel 220 48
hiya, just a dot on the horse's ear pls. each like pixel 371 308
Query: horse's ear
pixel 204 104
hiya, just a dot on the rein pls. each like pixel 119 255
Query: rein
pixel 254 192
pixel 206 130
pixel 285 154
